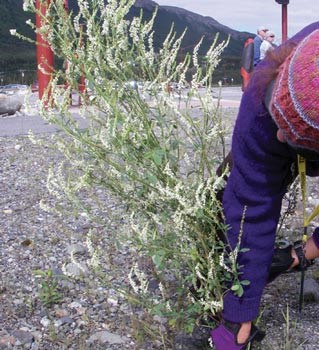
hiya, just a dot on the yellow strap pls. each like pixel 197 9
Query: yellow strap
pixel 302 177
pixel 303 184
pixel 314 213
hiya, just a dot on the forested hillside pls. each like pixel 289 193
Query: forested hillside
pixel 17 55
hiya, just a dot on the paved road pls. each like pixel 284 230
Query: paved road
pixel 21 123
pixel 231 96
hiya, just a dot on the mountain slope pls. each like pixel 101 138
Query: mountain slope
pixel 16 54
pixel 197 26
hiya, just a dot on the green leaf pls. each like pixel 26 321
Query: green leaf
pixel 151 178
pixel 235 287
pixel 240 291
pixel 245 282
pixel 156 155
pixel 200 213
pixel 244 250
pixel 158 259
pixel 172 322
pixel 39 273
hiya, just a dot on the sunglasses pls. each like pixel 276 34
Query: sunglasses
pixel 271 36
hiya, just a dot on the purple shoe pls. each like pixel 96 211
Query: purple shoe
pixel 224 337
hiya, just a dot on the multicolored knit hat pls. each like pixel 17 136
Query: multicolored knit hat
pixel 294 104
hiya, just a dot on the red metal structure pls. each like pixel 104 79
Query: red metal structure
pixel 284 22
pixel 247 62
pixel 45 57
pixel 82 78
pixel 284 16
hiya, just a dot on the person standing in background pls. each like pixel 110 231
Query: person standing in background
pixel 261 32
pixel 267 44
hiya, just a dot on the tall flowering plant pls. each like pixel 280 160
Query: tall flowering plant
pixel 153 148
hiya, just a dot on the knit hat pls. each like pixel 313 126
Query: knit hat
pixel 294 104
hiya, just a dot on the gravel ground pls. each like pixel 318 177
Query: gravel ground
pixel 90 313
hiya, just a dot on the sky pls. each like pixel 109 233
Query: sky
pixel 248 15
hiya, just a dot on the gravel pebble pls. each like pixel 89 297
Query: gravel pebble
pixel 90 313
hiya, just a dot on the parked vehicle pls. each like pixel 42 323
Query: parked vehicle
pixel 12 89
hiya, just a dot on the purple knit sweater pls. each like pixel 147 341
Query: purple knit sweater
pixel 258 181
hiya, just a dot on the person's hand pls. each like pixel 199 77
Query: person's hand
pixel 244 332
